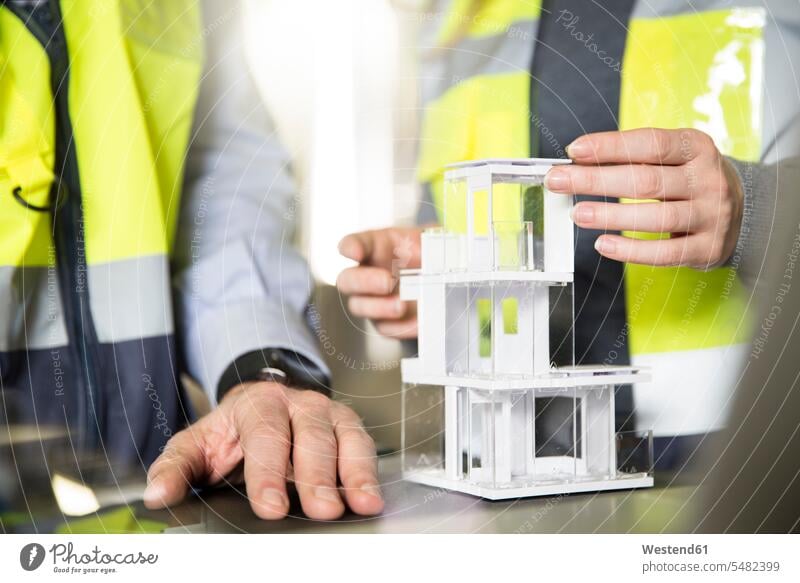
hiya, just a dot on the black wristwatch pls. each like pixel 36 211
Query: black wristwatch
pixel 278 365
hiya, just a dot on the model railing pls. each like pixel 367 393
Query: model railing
pixel 515 247
pixel 509 246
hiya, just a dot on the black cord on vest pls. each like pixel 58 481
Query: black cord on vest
pixel 17 193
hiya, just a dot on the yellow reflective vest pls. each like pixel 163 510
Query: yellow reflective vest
pixel 93 135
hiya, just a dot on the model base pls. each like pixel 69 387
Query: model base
pixel 437 479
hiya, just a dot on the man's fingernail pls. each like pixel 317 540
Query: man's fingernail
pixel 579 149
pixel 327 494
pixel 273 498
pixel 582 214
pixel 372 490
pixel 154 492
pixel 557 179
pixel 399 307
pixel 604 245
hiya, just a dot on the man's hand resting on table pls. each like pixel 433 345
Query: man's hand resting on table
pixel 263 425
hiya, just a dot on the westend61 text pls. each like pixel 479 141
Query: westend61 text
pixel 675 550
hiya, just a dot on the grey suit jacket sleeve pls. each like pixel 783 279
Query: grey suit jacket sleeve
pixel 239 283
pixel 769 190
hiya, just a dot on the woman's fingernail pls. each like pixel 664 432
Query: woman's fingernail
pixel 582 214
pixel 557 179
pixel 605 246
pixel 579 149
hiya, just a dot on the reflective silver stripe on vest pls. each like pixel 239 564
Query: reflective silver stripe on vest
pixel 31 313
pixel 131 298
pixel 508 52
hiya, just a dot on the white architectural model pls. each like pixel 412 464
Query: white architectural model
pixel 493 405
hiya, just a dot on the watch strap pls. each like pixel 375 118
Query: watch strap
pixel 299 371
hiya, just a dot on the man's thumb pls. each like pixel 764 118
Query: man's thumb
pixel 355 246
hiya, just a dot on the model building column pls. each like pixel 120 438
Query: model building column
pixel 541 329
pixel 452 422
pixel 559 246
pixel 502 437
pixel 432 309
pixel 479 220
